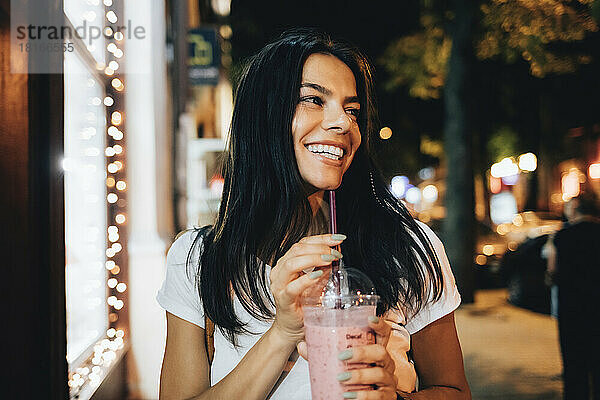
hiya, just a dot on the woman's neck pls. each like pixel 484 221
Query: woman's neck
pixel 316 200
pixel 320 221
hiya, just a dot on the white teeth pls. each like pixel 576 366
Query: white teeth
pixel 332 152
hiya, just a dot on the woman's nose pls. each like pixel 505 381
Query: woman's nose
pixel 336 119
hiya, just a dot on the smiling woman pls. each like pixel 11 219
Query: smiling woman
pixel 303 116
pixel 325 129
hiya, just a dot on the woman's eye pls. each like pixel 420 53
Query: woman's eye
pixel 353 111
pixel 312 99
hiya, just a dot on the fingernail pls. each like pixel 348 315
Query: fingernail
pixel 374 319
pixel 327 257
pixel 345 355
pixel 338 236
pixel 315 274
pixel 344 376
pixel 336 253
pixel 349 395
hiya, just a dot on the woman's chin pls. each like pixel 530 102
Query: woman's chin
pixel 326 185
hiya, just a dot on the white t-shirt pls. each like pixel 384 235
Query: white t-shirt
pixel 179 296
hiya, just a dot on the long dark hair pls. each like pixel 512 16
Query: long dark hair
pixel 264 208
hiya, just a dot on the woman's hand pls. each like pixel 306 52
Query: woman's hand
pixel 288 281
pixel 380 373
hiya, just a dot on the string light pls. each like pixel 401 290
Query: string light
pixel 111 17
pixel 117 84
pixel 107 349
pixel 116 118
pixel 112 198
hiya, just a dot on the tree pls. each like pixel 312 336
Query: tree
pixel 459 224
pixel 437 60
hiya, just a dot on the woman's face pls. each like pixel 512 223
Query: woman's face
pixel 325 125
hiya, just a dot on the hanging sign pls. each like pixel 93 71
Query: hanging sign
pixel 204 56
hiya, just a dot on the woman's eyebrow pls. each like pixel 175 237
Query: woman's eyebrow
pixel 317 87
pixel 327 92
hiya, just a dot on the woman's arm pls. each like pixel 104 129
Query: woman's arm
pixel 439 362
pixel 185 369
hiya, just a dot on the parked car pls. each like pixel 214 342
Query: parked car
pixel 523 270
pixel 512 244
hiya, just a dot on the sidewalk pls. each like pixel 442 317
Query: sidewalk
pixel 510 353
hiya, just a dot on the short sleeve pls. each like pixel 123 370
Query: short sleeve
pixel 450 298
pixel 179 293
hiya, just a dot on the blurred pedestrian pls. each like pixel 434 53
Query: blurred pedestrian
pixel 303 107
pixel 574 266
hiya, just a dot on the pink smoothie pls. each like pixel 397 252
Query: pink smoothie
pixel 328 332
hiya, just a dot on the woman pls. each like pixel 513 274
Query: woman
pixel 302 119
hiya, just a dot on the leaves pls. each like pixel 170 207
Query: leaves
pixel 534 30
pixel 419 60
pixel 540 32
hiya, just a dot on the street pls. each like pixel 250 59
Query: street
pixel 509 352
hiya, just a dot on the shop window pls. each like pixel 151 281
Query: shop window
pixel 85 209
pixel 95 195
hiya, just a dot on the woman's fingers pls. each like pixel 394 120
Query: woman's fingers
pixel 298 264
pixel 368 376
pixel 296 287
pixel 382 393
pixel 293 268
pixel 302 349
pixel 304 256
pixel 369 354
pixel 304 249
pixel 381 328
pixel 328 239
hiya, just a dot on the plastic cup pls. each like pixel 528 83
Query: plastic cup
pixel 332 324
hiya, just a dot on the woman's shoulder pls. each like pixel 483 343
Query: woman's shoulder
pixel 187 244
pixel 431 235
pixel 433 239
pixel 450 297
pixel 179 293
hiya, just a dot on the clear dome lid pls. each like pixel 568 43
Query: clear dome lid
pixel 344 288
